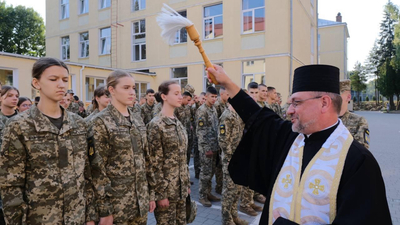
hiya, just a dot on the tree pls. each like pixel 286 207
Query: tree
pixel 358 78
pixel 22 31
pixel 389 63
pixel 371 67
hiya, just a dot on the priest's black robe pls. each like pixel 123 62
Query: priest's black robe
pixel 361 197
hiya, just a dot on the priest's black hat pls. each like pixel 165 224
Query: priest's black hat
pixel 322 78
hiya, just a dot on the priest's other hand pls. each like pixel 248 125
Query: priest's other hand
pixel 223 79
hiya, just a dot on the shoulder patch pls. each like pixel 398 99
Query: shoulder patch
pixel 201 122
pixel 222 129
pixel 90 146
pixel 366 136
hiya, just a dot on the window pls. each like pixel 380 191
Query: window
pixel 138 5
pixel 207 82
pixel 140 89
pixel 105 41
pixel 180 75
pixel 253 72
pixel 83 6
pixel 213 26
pixel 64 9
pixel 105 4
pixel 139 40
pixel 65 48
pixel 6 77
pixel 253 16
pixel 181 36
pixel 84 45
pixel 91 84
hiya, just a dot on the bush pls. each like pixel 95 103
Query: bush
pixel 373 98
pixel 355 99
pixel 360 99
pixel 367 99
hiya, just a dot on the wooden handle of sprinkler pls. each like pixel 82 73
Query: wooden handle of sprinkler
pixel 195 37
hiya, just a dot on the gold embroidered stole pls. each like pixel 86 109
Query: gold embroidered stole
pixel 310 198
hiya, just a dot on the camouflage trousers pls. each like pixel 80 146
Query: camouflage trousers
pixel 196 158
pixel 230 197
pixel 207 171
pixel 246 199
pixel 219 174
pixel 190 144
pixel 174 214
pixel 140 220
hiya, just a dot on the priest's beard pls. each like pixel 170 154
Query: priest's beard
pixel 301 127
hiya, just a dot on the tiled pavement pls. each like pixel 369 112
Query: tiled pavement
pixel 207 216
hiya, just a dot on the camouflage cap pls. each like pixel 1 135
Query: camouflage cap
pixel 345 85
pixel 70 91
pixel 189 88
pixel 143 96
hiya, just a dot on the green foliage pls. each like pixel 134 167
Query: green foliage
pixel 22 31
pixel 373 98
pixel 367 99
pixel 354 99
pixel 358 79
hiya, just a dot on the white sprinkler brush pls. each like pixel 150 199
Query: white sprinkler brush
pixel 171 22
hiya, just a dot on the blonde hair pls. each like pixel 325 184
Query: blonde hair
pixel 113 78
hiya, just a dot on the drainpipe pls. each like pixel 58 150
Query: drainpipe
pixel 316 5
pixel 81 85
pixel 291 47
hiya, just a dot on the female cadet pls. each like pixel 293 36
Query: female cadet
pixel 168 145
pixel 44 157
pixel 24 104
pixel 120 160
pixel 100 101
pixel 9 101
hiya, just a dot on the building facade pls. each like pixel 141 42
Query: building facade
pixel 332 47
pixel 254 40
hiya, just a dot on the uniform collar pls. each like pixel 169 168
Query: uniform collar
pixel 118 117
pixel 43 124
pixel 169 121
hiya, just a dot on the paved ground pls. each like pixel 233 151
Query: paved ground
pixel 385 142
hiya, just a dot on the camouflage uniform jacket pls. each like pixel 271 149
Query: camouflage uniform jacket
pixel 358 127
pixel 220 107
pixel 3 122
pixel 121 166
pixel 157 109
pixel 73 107
pixel 230 133
pixel 137 111
pixel 193 110
pixel 91 116
pixel 184 114
pixel 207 128
pixel 147 112
pixel 45 173
pixel 89 109
pixel 168 143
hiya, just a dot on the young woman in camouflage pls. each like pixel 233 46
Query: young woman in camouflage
pixel 119 157
pixel 100 101
pixel 167 139
pixel 44 168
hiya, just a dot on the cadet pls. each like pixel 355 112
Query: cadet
pixel 167 140
pixel 82 111
pixel 252 89
pixel 190 129
pixel 230 133
pixel 357 125
pixel 207 134
pixel 135 108
pixel 198 101
pixel 183 114
pixel 262 95
pixel 9 100
pixel 220 105
pixel 101 98
pixel 73 106
pixel 142 100
pixel 120 161
pixel 147 108
pixel 44 166
pixel 23 104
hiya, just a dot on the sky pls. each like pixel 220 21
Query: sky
pixel 362 17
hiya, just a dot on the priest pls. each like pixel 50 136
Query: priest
pixel 310 169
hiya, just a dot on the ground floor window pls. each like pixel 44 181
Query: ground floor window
pixel 91 84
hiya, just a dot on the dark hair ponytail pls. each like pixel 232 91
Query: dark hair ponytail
pixel 157 96
pixel 164 89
